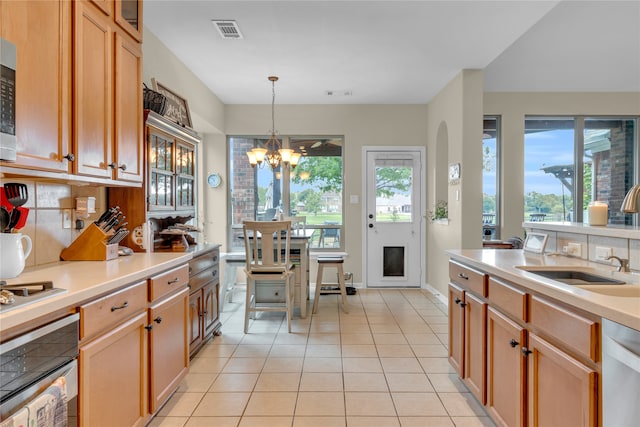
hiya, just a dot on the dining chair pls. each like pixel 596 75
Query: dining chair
pixel 298 223
pixel 267 260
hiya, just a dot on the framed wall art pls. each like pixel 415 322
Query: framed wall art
pixel 177 106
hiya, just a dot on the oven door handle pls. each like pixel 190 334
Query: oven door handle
pixel 38 333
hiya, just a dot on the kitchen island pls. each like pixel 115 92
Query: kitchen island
pixel 530 348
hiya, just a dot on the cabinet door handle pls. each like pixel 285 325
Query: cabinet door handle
pixel 122 167
pixel 526 351
pixel 113 165
pixel 120 307
pixel 158 320
pixel 148 327
pixel 513 343
pixel 458 301
pixel 171 282
pixel 70 157
pixel 463 305
pixel 463 276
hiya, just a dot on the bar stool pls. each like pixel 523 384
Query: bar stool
pixel 233 261
pixel 336 263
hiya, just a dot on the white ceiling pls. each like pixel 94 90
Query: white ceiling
pixel 400 52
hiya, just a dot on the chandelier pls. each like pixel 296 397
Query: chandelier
pixel 273 153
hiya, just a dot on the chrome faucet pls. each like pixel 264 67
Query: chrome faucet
pixel 624 263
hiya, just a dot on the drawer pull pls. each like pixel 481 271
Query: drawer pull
pixel 171 282
pixel 463 276
pixel 513 343
pixel 115 307
pixel 526 351
pixel 158 320
pixel 458 301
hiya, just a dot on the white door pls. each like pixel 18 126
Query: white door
pixel 394 235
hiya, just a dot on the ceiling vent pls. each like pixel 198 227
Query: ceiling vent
pixel 227 29
pixel 338 92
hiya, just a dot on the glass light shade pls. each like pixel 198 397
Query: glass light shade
pixel 286 153
pixel 252 158
pixel 295 158
pixel 304 175
pixel 259 153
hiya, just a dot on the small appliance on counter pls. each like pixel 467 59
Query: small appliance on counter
pixel 8 140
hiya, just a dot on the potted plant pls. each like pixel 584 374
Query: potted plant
pixel 440 212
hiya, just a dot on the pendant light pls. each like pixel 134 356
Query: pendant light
pixel 273 153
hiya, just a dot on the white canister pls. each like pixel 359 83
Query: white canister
pixel 598 213
pixel 13 254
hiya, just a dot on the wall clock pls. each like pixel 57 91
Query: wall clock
pixel 454 173
pixel 214 180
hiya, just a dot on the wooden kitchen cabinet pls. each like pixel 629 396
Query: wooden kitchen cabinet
pixel 475 346
pixel 540 356
pixel 204 314
pixel 107 97
pixel 168 347
pixel 134 350
pixel 113 359
pixel 561 390
pixel 456 328
pixel 169 185
pixel 43 84
pixel 506 370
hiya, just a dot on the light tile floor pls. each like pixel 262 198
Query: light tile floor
pixel 382 364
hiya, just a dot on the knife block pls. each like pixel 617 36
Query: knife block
pixel 91 245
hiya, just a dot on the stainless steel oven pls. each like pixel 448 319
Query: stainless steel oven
pixel 33 361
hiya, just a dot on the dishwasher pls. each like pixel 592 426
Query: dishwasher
pixel 620 375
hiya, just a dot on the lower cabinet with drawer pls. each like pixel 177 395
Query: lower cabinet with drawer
pixel 540 358
pixel 133 350
pixel 204 314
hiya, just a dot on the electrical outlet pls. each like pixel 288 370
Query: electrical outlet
pixel 603 253
pixel 138 236
pixel 574 249
pixel 66 218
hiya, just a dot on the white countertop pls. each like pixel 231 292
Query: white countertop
pixel 85 280
pixel 503 263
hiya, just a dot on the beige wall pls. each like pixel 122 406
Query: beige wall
pixel 513 107
pixel 361 125
pixel 458 109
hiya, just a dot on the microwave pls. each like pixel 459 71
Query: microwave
pixel 8 141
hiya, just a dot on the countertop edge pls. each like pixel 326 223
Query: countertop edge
pixel 502 263
pixel 86 280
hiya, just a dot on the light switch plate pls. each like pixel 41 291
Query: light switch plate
pixel 66 218
pixel 574 249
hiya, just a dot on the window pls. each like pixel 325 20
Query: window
pixel 490 178
pixel 313 189
pixel 573 161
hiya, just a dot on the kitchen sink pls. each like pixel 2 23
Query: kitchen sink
pixel 573 276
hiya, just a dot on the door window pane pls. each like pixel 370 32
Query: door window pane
pixel 394 191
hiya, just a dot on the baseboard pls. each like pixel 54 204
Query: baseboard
pixel 442 298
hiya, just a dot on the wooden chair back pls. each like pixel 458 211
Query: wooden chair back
pixel 267 245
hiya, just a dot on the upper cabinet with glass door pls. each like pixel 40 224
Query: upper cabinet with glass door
pixel 127 13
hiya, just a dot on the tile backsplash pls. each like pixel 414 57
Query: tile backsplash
pixel 47 203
